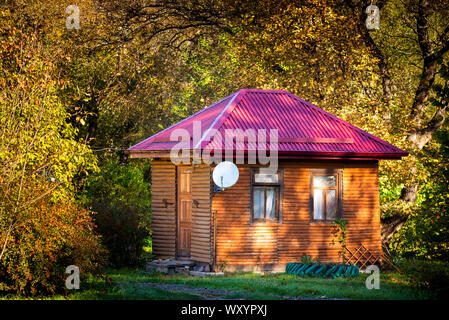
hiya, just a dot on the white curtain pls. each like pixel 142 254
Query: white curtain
pixel 317 204
pixel 271 203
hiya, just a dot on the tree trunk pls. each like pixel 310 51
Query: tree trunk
pixel 373 47
pixel 390 226
pixel 409 193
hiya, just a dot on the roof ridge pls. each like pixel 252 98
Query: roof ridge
pixel 265 91
pixel 242 93
pixel 223 115
pixel 347 124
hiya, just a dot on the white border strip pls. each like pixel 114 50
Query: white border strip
pixel 216 119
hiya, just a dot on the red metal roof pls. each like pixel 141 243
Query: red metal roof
pixel 304 130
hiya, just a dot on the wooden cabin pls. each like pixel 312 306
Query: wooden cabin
pixel 326 169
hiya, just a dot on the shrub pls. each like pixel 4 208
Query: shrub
pixel 39 250
pixel 305 259
pixel 425 234
pixel 121 195
pixel 433 275
pixel 125 183
pixel 122 234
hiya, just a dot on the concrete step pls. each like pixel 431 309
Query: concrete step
pixel 169 266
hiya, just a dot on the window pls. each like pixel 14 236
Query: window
pixel 266 196
pixel 325 194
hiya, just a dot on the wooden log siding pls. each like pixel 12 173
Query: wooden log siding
pixel 361 207
pixel 241 243
pixel 201 214
pixel 237 240
pixel 163 219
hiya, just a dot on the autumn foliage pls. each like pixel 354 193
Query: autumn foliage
pixel 42 229
pixel 72 100
pixel 56 236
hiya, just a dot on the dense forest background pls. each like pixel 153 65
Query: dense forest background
pixel 72 99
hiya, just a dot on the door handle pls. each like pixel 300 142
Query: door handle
pixel 166 203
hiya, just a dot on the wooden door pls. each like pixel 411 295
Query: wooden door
pixel 184 211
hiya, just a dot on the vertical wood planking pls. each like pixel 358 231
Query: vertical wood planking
pixel 163 219
pixel 184 211
pixel 201 214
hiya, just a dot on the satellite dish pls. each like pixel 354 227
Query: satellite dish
pixel 225 174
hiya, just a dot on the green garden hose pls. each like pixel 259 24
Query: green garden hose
pixel 322 270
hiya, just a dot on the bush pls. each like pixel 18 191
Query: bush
pixel 121 195
pixel 122 234
pixel 38 251
pixel 124 183
pixel 433 275
pixel 425 234
pixel 305 259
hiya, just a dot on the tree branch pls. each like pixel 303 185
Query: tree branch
pixel 371 44
pixel 429 64
pixel 421 136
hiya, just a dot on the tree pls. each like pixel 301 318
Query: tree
pixel 424 34
pixel 39 157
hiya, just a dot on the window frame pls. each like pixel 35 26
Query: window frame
pixel 279 197
pixel 339 193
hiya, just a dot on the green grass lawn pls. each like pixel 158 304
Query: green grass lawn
pixel 133 284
